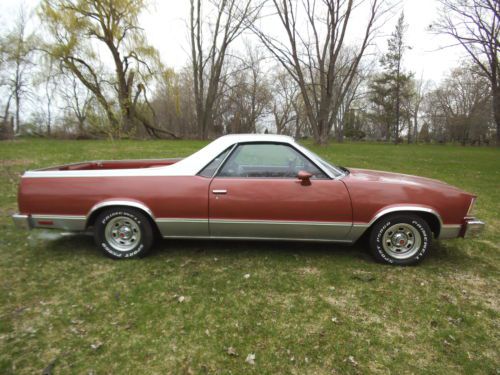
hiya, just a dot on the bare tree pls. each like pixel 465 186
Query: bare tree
pixel 459 108
pixel 208 53
pixel 247 96
pixel 76 101
pixel 475 24
pixel 284 97
pixel 18 47
pixel 311 56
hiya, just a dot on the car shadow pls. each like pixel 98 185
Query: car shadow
pixel 164 248
pixel 167 247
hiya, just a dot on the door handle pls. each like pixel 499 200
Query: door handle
pixel 219 191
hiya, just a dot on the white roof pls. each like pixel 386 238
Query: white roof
pixel 189 166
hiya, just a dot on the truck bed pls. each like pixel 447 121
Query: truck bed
pixel 112 164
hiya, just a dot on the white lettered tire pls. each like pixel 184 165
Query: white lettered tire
pixel 400 239
pixel 122 232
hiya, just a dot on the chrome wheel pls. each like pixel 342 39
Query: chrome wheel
pixel 401 241
pixel 122 233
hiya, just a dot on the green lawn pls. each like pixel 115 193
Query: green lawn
pixel 303 309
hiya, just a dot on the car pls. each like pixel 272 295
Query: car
pixel 246 186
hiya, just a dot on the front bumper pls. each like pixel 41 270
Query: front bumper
pixel 22 221
pixel 472 227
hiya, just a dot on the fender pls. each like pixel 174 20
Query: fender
pixel 118 202
pixel 358 229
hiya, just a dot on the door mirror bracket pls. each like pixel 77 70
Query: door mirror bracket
pixel 304 177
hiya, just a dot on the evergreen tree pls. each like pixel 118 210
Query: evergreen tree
pixel 392 87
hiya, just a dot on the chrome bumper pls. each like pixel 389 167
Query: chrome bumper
pixel 22 221
pixel 472 227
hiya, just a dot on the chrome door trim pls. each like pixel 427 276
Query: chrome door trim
pixel 277 229
pixel 287 239
pixel 183 227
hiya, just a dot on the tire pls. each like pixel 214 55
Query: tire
pixel 400 239
pixel 123 232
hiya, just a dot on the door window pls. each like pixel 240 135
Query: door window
pixel 212 167
pixel 268 161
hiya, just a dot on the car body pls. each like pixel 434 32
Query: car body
pixel 250 186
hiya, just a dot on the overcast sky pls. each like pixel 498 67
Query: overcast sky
pixel 165 25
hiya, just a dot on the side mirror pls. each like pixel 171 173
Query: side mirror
pixel 304 177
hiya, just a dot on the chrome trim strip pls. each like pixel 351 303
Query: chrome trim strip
pixel 406 208
pixel 66 222
pixel 22 221
pixel 274 229
pixel 449 231
pixel 121 202
pixel 182 228
pixel 244 221
pixel 358 229
pixel 254 229
pixel 263 239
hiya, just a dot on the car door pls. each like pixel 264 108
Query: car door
pixel 256 194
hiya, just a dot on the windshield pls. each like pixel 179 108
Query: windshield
pixel 332 169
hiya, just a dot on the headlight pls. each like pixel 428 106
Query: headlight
pixel 472 211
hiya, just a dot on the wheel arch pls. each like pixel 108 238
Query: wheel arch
pixel 99 207
pixel 430 215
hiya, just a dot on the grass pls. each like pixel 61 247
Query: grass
pixel 303 309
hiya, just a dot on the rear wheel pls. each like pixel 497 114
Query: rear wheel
pixel 400 239
pixel 123 233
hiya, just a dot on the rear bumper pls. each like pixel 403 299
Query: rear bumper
pixel 22 221
pixel 472 227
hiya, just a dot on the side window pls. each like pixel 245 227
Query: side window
pixel 211 168
pixel 268 160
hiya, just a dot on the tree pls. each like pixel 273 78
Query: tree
pixel 208 53
pixel 460 107
pixel 77 100
pixel 79 29
pixel 475 25
pixel 284 92
pixel 311 54
pixel 18 47
pixel 394 75
pixel 247 96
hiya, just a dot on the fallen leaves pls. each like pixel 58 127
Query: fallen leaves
pixel 250 359
pixel 232 351
pixel 96 345
pixel 352 361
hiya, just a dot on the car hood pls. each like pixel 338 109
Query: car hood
pixel 398 178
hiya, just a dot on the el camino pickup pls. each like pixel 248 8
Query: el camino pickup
pixel 264 187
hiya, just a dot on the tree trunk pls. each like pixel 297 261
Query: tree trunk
pixel 496 109
pixel 340 134
pixel 18 103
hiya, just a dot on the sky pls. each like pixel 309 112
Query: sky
pixel 430 56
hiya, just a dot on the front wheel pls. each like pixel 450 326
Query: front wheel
pixel 400 239
pixel 123 233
